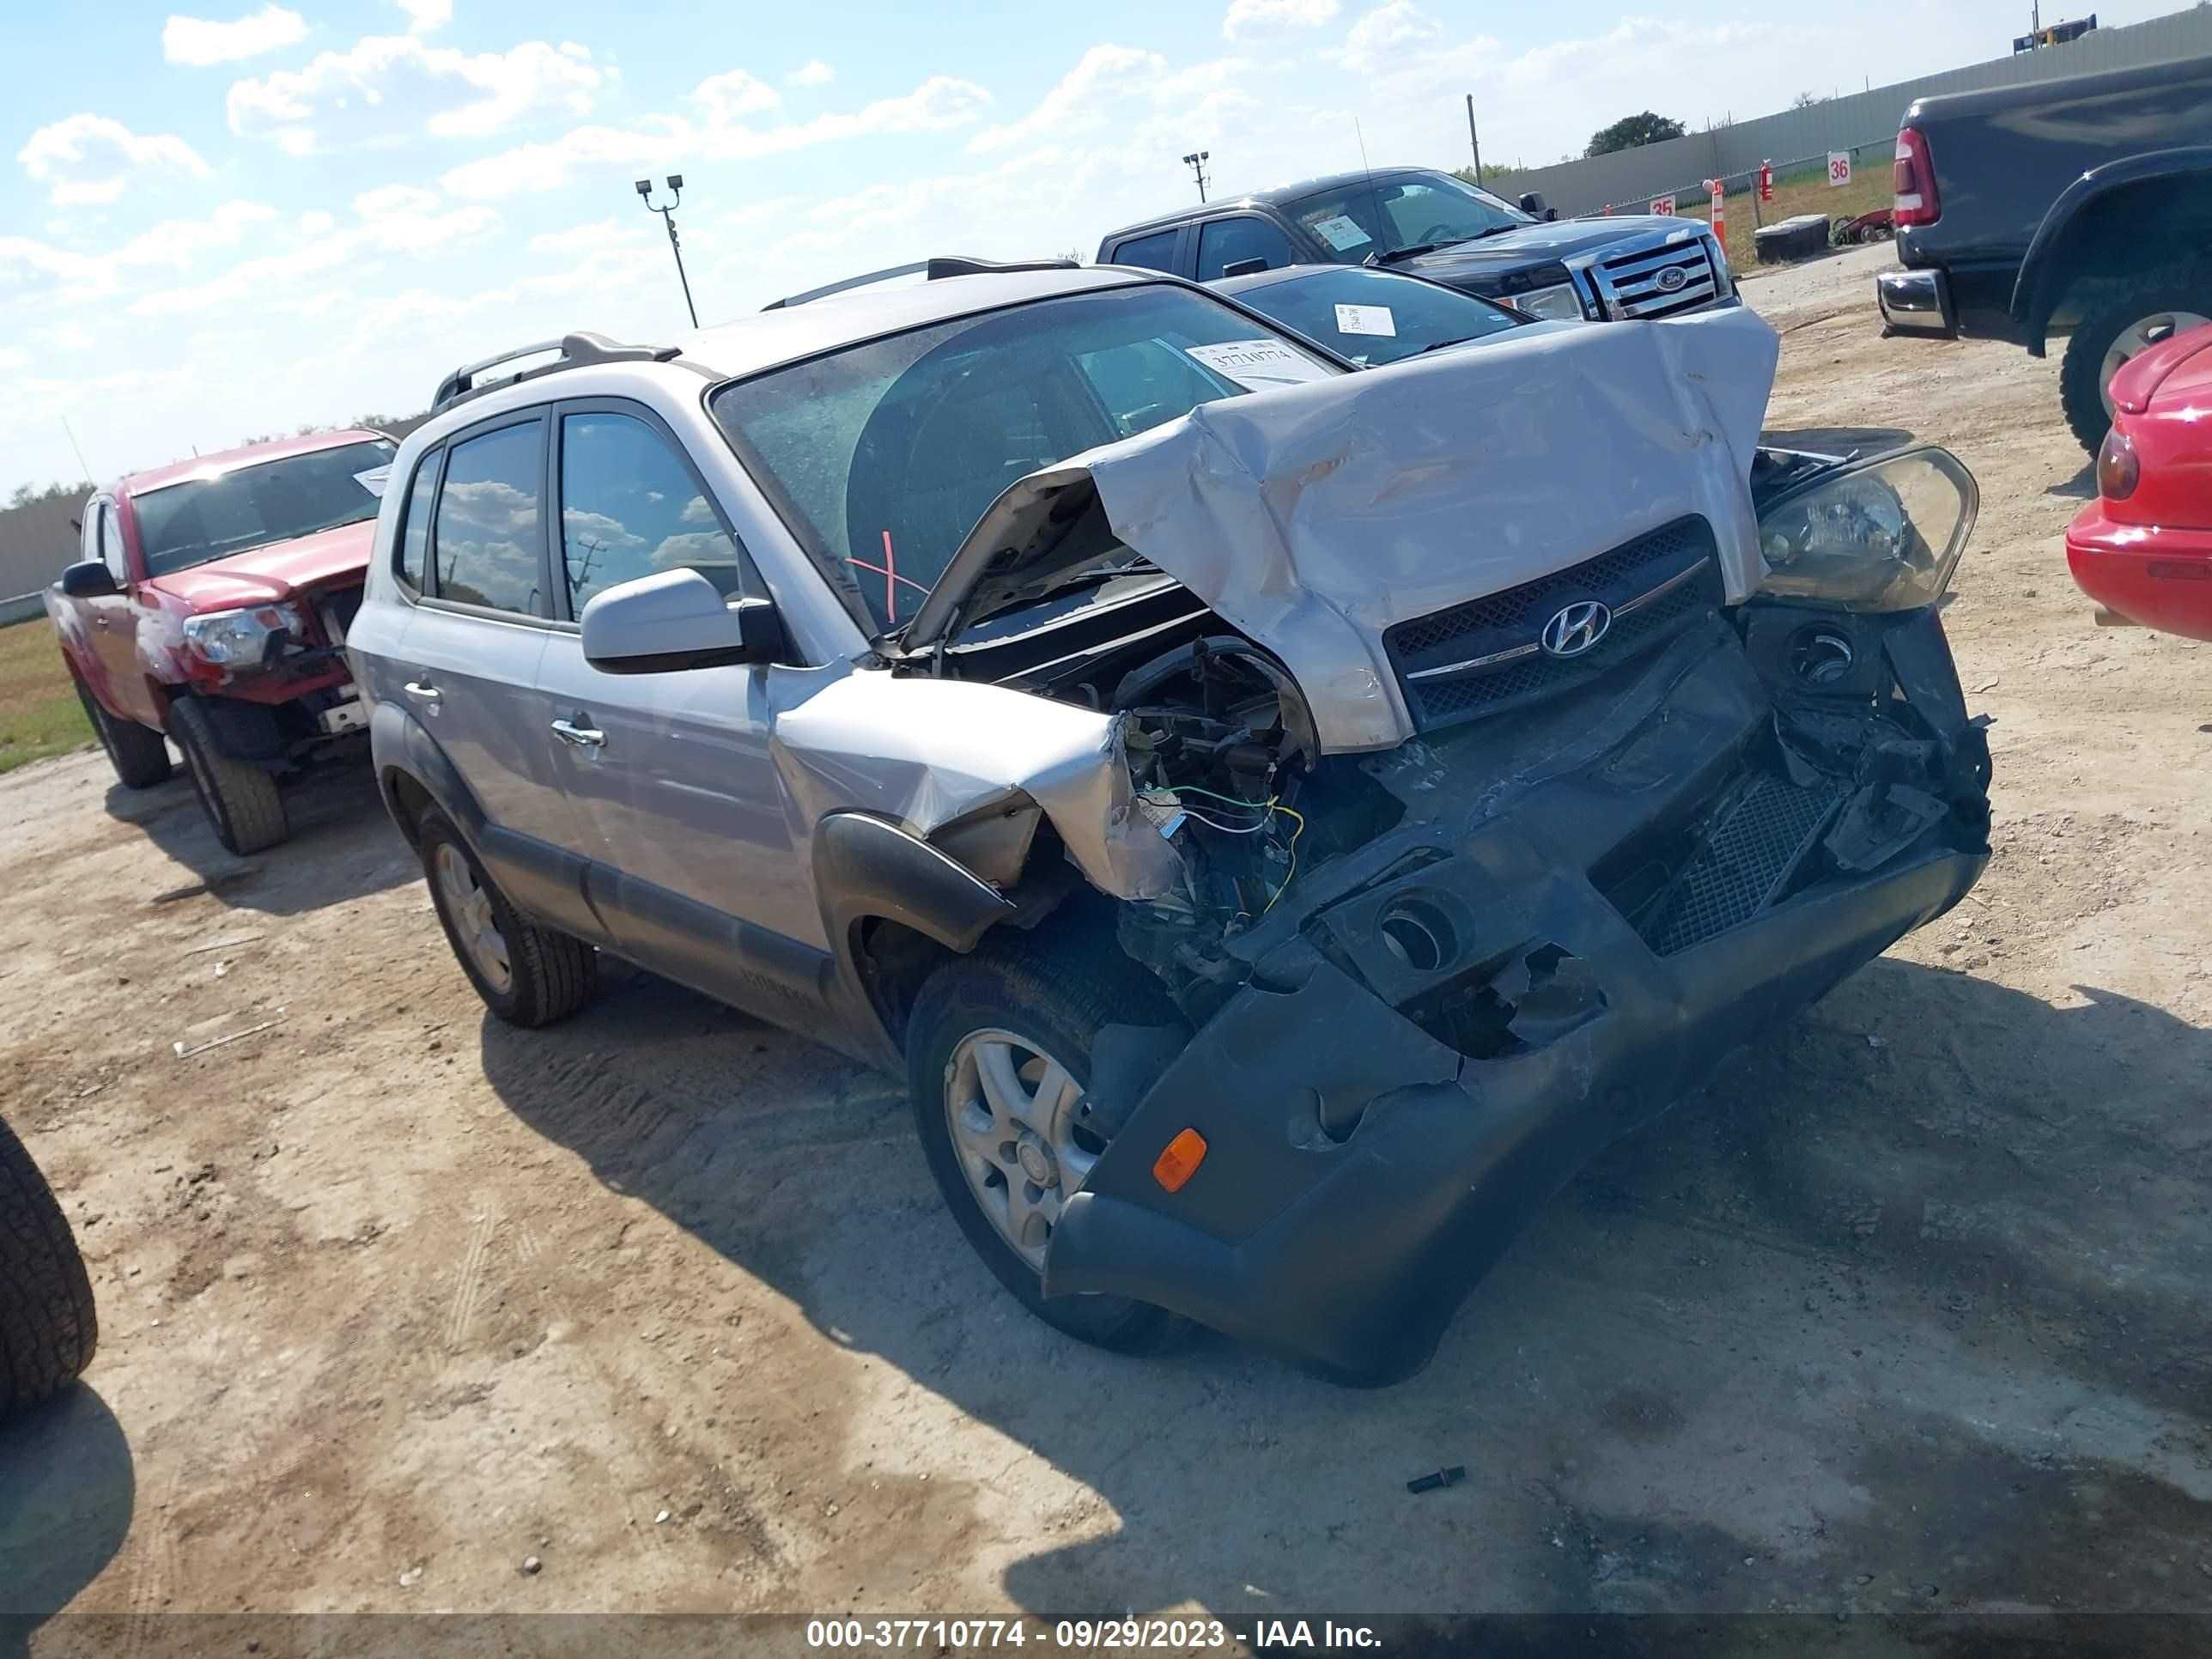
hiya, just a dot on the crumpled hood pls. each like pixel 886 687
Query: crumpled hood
pixel 1314 517
pixel 274 572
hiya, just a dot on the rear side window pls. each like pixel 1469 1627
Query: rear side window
pixel 1223 242
pixel 489 534
pixel 414 528
pixel 629 507
pixel 1154 252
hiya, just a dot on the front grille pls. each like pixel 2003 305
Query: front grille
pixel 1446 661
pixel 1741 866
pixel 1629 283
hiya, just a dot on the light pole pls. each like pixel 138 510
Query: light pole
pixel 668 217
pixel 1196 161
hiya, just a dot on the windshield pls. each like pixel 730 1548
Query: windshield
pixel 882 455
pixel 182 524
pixel 1403 210
pixel 1377 317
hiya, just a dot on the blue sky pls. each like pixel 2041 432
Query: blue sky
pixel 250 217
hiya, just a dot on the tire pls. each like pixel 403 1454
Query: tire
pixel 48 1326
pixel 2082 377
pixel 139 754
pixel 242 802
pixel 548 974
pixel 1056 996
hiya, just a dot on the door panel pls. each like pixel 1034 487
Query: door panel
pixel 115 620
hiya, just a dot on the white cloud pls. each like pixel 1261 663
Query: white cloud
pixel 1113 88
pixel 812 73
pixel 1383 37
pixel 939 103
pixel 385 87
pixel 1077 102
pixel 726 96
pixel 198 42
pixel 1271 14
pixel 91 159
pixel 424 16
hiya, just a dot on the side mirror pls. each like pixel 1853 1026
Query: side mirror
pixel 676 620
pixel 1242 267
pixel 1532 202
pixel 91 580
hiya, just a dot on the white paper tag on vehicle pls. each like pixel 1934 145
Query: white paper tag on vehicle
pixel 374 480
pixel 1341 231
pixel 1257 365
pixel 1366 319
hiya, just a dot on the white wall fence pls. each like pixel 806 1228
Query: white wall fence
pixel 1855 121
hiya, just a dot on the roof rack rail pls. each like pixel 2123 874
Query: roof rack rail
pixel 576 350
pixel 943 265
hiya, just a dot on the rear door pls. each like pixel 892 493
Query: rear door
pixel 470 655
pixel 700 878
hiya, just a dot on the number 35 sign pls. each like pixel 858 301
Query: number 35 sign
pixel 1839 166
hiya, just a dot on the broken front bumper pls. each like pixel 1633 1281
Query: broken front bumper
pixel 1460 1015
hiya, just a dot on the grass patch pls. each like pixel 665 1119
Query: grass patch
pixel 1869 189
pixel 39 715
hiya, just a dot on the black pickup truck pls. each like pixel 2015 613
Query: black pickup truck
pixel 2081 206
pixel 1436 226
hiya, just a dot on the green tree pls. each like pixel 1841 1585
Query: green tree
pixel 1632 130
pixel 1492 173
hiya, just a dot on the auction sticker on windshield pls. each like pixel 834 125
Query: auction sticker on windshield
pixel 1366 319
pixel 1257 365
pixel 1341 231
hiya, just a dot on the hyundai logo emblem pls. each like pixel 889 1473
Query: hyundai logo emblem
pixel 1672 279
pixel 1575 628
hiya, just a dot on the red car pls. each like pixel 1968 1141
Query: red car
pixel 2143 550
pixel 209 606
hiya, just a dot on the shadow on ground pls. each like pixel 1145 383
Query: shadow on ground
pixel 1904 1314
pixel 343 846
pixel 66 1494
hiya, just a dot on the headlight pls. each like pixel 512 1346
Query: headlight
pixel 233 638
pixel 1556 304
pixel 1882 536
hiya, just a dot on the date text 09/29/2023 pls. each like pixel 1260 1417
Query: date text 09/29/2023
pixel 1087 1635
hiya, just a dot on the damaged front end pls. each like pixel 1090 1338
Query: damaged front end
pixel 1471 802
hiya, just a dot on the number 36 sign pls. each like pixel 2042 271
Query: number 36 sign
pixel 1839 166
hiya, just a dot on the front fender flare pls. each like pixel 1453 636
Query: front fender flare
pixel 868 866
pixel 2040 285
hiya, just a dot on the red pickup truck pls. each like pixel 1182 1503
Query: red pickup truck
pixel 210 605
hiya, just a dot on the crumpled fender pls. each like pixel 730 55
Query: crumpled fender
pixel 923 753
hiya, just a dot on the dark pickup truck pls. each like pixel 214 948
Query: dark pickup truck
pixel 1436 226
pixel 2081 206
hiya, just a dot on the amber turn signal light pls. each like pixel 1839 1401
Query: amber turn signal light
pixel 1179 1160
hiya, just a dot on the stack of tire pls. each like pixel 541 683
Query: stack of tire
pixel 47 1326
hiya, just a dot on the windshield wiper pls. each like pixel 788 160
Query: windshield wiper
pixel 1391 255
pixel 1440 345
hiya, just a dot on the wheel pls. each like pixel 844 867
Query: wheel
pixel 997 1052
pixel 527 975
pixel 48 1328
pixel 2153 311
pixel 241 801
pixel 139 754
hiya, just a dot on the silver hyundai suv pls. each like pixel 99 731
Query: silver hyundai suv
pixel 1281 819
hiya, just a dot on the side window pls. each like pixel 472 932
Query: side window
pixel 414 528
pixel 488 537
pixel 1223 242
pixel 110 544
pixel 629 507
pixel 1154 252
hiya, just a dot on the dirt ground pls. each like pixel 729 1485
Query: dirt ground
pixel 1905 1312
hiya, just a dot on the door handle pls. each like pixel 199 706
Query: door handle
pixel 582 737
pixel 426 693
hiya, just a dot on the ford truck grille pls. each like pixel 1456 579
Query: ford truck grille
pixel 1639 284
pixel 1488 654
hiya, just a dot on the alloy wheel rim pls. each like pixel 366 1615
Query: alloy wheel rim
pixel 468 905
pixel 1015 1116
pixel 2133 341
